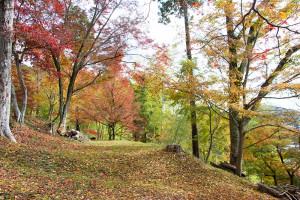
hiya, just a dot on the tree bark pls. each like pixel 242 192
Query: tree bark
pixel 6 31
pixel 14 102
pixel 239 160
pixel 211 136
pixel 18 61
pixel 24 94
pixel 235 83
pixel 109 133
pixel 64 105
pixel 234 136
pixel 51 109
pixel 291 175
pixel 275 179
pixel 113 128
pixel 63 119
pixel 195 143
pixel 77 125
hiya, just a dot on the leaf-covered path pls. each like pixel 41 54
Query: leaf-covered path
pixel 45 167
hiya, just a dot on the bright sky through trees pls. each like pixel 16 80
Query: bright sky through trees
pixel 171 35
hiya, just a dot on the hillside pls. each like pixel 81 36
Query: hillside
pixel 45 167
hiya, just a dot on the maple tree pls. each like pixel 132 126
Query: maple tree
pixel 29 39
pixel 77 39
pixel 112 104
pixel 18 55
pixel 275 157
pixel 251 53
pixel 6 31
pixel 43 98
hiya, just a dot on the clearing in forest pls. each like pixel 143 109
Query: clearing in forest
pixel 46 167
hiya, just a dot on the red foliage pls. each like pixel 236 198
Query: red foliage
pixel 270 27
pixel 90 131
pixel 113 103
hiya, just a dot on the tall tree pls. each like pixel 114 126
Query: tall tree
pixel 6 31
pixel 257 48
pixel 19 51
pixel 103 38
pixel 112 104
pixel 180 8
pixel 90 39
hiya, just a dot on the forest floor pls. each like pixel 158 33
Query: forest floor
pixel 41 166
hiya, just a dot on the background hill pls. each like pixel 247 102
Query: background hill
pixel 44 167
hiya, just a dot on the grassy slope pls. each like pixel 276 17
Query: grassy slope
pixel 45 167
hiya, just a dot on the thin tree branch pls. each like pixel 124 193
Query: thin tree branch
pixel 259 141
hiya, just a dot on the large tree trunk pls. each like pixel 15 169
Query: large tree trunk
pixel 62 125
pixel 234 136
pixel 195 143
pixel 239 160
pixel 6 31
pixel 63 119
pixel 64 114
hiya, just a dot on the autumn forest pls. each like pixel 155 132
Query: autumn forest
pixel 222 91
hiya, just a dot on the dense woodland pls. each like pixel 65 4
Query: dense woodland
pixel 80 65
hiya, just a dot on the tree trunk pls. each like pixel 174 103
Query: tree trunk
pixel 14 101
pixel 23 87
pixel 144 137
pixel 135 136
pixel 211 134
pixel 235 83
pixel 239 160
pixel 291 175
pixel 77 125
pixel 50 112
pixel 63 116
pixel 24 95
pixel 113 128
pixel 109 133
pixel 275 179
pixel 61 126
pixel 6 31
pixel 37 110
pixel 234 136
pixel 195 144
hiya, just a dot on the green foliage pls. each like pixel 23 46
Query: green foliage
pixel 273 159
pixel 151 112
pixel 173 7
pixel 213 134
